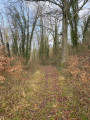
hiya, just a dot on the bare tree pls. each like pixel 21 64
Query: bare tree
pixel 64 6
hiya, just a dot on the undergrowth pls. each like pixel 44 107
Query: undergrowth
pixel 78 78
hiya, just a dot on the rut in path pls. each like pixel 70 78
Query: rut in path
pixel 52 77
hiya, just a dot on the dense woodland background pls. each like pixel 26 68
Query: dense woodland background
pixel 44 30
pixel 41 33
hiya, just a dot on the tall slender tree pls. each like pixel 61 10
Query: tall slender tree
pixel 55 44
pixel 74 23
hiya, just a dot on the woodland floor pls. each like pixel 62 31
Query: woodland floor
pixel 45 95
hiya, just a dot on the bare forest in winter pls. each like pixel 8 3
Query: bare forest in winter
pixel 44 59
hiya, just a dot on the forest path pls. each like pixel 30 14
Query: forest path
pixel 49 101
pixel 42 96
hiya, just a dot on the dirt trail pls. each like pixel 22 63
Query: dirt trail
pixel 52 78
pixel 53 94
pixel 44 96
pixel 50 103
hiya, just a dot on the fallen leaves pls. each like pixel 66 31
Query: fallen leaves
pixel 78 77
pixel 6 67
pixel 79 67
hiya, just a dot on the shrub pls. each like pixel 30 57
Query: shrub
pixel 6 66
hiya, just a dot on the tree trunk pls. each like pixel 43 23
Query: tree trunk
pixel 8 49
pixel 23 43
pixel 31 36
pixel 27 45
pixel 1 37
pixel 55 46
pixel 42 43
pixel 64 38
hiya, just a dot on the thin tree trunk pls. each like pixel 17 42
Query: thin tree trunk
pixel 34 24
pixel 55 49
pixel 27 46
pixel 8 49
pixel 41 50
pixel 1 37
